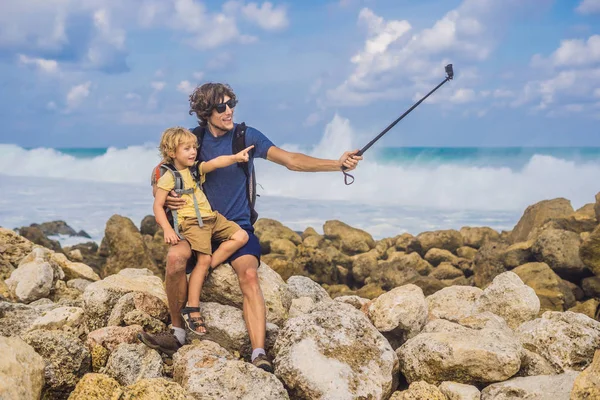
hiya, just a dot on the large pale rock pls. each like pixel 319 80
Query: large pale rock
pixel 225 325
pixel 532 364
pixel 553 293
pixel 222 286
pixel 270 230
pixel 348 239
pixel 101 296
pixel 126 248
pixel 419 391
pixel 129 363
pixel 459 391
pixel 77 270
pixel 301 305
pixel 17 318
pixel 589 251
pixel 96 386
pixel 560 250
pixel 476 237
pixel 567 340
pixel 301 286
pixel 537 214
pixel 353 300
pixel 12 250
pixel 335 352
pixel 138 301
pixel 208 371
pixel 587 384
pixel 545 387
pixel 65 356
pixel 448 239
pixel 31 281
pixel 445 351
pixel 68 319
pixel 155 389
pixel 112 336
pixel 21 370
pixel 400 313
pixel 453 303
pixel 509 298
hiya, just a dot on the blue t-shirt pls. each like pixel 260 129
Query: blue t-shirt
pixel 226 187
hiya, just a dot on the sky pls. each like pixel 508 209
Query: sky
pixel 98 73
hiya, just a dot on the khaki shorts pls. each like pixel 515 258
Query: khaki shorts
pixel 216 228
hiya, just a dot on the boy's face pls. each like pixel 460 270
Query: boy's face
pixel 222 121
pixel 185 155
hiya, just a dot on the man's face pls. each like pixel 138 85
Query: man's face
pixel 222 121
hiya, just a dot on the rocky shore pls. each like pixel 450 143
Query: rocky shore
pixel 450 314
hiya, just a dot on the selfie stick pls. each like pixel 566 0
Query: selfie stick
pixel 449 76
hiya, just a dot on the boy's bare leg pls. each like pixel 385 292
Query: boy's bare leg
pixel 195 286
pixel 255 312
pixel 228 247
pixel 176 280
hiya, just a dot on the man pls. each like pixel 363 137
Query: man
pixel 213 104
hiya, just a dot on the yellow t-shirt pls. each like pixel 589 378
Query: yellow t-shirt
pixel 167 182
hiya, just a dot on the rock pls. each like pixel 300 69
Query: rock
pixel 284 247
pixel 21 370
pixel 348 239
pixel 313 241
pixel 76 270
pixel 126 248
pixel 55 228
pixel 459 391
pixel 308 232
pixel 403 242
pixel 587 384
pixel 370 291
pixel 555 387
pixel 532 364
pixel 32 280
pixel 488 263
pixel 517 254
pixel 429 284
pixel 12 249
pixel 412 260
pixel 485 320
pixel 437 256
pixel 537 214
pixel 319 264
pixel 16 318
pixel 449 239
pixel 5 293
pixel 355 301
pixel 67 319
pixel 101 296
pixel 597 206
pixel 283 265
pixel 335 352
pixel 112 336
pixel 207 371
pixel 66 358
pixel 363 265
pixel 466 252
pixel 222 286
pixel 300 306
pixel 476 237
pixel 453 303
pixel 78 284
pixel 509 298
pixel 155 389
pixel 589 308
pixel 446 271
pixel 149 226
pixel 301 286
pixel 149 324
pixel 445 351
pixel 553 293
pixel 225 325
pixel 391 274
pixel 36 235
pixel 96 386
pixel 129 363
pixel 157 248
pixel 418 391
pixel 400 313
pixel 560 250
pixel 589 251
pixel 269 230
pixel 89 254
pixel 591 286
pixel 567 340
pixel 144 303
pixel 75 255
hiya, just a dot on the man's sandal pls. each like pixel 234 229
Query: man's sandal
pixel 193 323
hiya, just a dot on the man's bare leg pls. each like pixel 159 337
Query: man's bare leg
pixel 176 280
pixel 255 312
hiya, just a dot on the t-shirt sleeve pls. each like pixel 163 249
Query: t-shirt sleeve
pixel 261 143
pixel 166 182
pixel 202 174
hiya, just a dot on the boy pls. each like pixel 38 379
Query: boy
pixel 196 221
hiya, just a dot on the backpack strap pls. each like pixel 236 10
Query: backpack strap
pixel 180 189
pixel 239 144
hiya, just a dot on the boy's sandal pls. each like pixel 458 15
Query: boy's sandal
pixel 193 323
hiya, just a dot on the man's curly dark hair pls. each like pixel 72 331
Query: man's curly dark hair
pixel 204 99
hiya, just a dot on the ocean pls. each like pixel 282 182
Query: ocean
pixel 397 189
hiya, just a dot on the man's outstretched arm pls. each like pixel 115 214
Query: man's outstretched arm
pixel 304 163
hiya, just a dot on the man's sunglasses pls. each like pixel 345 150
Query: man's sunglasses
pixel 223 106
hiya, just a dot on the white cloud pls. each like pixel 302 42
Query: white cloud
pixel 198 75
pixel 77 94
pixel 571 53
pixel 313 119
pixel 48 66
pixel 266 16
pixel 158 86
pixel 186 87
pixel 589 7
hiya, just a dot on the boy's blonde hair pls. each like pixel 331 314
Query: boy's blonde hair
pixel 172 138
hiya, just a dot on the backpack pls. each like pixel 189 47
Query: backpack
pixel 238 144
